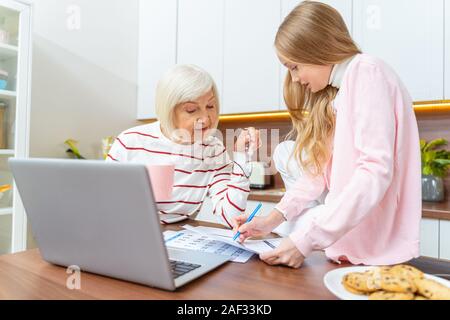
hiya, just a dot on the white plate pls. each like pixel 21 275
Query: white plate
pixel 333 281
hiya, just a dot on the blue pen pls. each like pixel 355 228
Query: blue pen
pixel 249 219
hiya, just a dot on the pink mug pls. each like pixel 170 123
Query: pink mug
pixel 161 178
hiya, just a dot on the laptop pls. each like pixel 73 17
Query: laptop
pixel 102 217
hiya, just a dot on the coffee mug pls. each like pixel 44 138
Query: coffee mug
pixel 161 179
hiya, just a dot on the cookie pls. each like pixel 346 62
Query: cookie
pixel 419 297
pixel 350 289
pixel 396 283
pixel 361 281
pixel 381 269
pixel 432 289
pixel 407 271
pixel 385 295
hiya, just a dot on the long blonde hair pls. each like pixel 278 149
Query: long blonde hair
pixel 313 33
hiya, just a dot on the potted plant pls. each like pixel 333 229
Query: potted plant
pixel 73 149
pixel 435 164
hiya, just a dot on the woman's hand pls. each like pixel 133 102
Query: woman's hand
pixel 258 227
pixel 248 140
pixel 286 254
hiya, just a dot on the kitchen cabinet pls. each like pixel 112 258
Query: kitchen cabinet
pixel 343 6
pixel 429 238
pixel 408 35
pixel 200 36
pixel 251 68
pixel 15 66
pixel 234 43
pixel 444 239
pixel 205 213
pixel 239 55
pixel 266 207
pixel 156 50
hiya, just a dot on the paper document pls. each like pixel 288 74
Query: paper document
pixel 195 241
pixel 224 235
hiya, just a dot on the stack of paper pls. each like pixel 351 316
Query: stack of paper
pixel 195 241
pixel 226 235
pixel 219 241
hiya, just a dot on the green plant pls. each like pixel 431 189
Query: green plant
pixel 435 161
pixel 73 150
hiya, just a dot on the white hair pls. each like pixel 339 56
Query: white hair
pixel 181 83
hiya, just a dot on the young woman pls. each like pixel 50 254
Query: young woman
pixel 357 137
pixel 187 107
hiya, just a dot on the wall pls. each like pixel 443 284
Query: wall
pixel 84 73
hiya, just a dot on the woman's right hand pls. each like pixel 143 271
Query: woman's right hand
pixel 258 227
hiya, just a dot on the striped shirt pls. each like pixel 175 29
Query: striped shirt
pixel 201 169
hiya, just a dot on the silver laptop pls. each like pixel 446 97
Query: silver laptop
pixel 102 218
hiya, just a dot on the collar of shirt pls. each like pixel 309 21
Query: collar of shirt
pixel 338 71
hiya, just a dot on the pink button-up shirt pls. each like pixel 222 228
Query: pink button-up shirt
pixel 372 212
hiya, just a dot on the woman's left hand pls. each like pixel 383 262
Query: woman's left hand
pixel 286 254
pixel 248 140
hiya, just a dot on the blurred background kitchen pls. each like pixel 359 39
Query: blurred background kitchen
pixel 87 69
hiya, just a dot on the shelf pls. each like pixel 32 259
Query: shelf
pixel 6 152
pixel 6 211
pixel 8 51
pixel 7 94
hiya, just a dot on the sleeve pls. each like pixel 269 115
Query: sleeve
pixel 230 188
pixel 286 164
pixel 300 195
pixel 371 112
pixel 117 152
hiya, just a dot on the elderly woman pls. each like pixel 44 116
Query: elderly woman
pixel 187 107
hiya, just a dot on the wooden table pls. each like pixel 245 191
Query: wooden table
pixel 26 276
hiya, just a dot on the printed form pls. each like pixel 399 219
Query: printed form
pixel 216 240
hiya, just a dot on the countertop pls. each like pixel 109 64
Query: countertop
pixel 432 210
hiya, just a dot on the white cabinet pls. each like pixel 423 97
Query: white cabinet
pixel 266 207
pixel 429 238
pixel 447 52
pixel 408 35
pixel 444 239
pixel 205 213
pixel 251 67
pixel 344 7
pixel 238 54
pixel 15 66
pixel 233 41
pixel 157 49
pixel 200 36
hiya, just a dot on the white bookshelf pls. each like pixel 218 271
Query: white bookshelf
pixel 7 94
pixel 15 60
pixel 8 51
pixel 6 152
pixel 5 211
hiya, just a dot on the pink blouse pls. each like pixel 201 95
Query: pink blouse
pixel 372 212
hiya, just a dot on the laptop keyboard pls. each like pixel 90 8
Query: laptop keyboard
pixel 179 267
